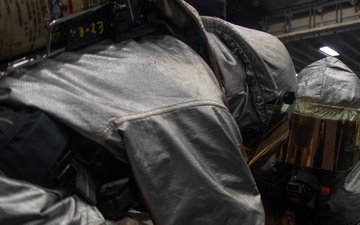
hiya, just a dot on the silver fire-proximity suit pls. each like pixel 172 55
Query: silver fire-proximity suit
pixel 175 113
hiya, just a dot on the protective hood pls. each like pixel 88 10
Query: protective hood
pixel 255 74
pixel 325 137
pixel 329 82
pixel 325 124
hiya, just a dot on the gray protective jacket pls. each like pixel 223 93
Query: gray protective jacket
pixel 156 103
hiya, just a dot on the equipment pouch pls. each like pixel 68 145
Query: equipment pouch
pixel 31 144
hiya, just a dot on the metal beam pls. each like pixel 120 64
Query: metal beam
pixel 320 31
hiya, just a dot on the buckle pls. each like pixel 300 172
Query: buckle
pixel 131 20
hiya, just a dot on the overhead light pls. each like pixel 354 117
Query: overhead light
pixel 329 51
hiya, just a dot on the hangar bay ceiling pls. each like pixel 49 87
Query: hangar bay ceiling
pixel 305 26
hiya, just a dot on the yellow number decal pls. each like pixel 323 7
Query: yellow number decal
pixel 100 23
pixel 93 30
pixel 81 31
pixel 72 32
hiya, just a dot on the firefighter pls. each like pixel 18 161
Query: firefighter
pixel 319 164
pixel 187 106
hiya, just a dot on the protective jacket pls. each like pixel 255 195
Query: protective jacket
pixel 161 103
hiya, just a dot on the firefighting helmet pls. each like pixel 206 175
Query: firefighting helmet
pixel 325 125
pixel 324 139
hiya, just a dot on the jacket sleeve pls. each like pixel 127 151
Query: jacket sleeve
pixel 25 203
pixel 189 168
pixel 157 103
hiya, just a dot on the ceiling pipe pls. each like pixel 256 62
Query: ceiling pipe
pixel 320 31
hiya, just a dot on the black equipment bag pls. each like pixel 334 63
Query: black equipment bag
pixel 31 143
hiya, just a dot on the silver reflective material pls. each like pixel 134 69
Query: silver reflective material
pixel 330 82
pixel 325 137
pixel 156 103
pixel 255 74
pixel 24 203
pixel 325 124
